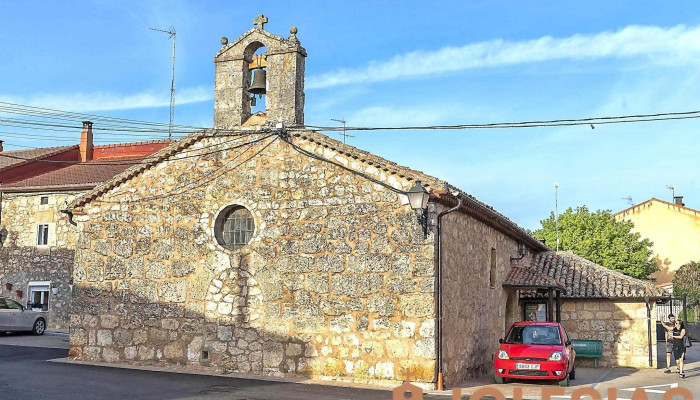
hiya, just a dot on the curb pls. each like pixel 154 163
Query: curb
pixel 57 333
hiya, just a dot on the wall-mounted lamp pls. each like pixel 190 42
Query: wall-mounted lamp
pixel 418 197
pixel 54 290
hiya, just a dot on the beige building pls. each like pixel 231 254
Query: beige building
pixel 674 229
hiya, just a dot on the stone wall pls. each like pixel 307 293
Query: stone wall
pixel 23 261
pixel 622 326
pixel 337 282
pixel 475 313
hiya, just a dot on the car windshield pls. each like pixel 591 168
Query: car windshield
pixel 534 334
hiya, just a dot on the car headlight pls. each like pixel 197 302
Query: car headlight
pixel 556 356
pixel 503 355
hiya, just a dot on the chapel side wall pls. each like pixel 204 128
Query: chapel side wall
pixel 472 324
pixel 337 283
pixel 621 325
pixel 22 261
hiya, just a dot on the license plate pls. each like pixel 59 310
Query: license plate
pixel 527 366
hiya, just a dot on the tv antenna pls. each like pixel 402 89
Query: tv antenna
pixel 628 199
pixel 672 189
pixel 344 134
pixel 172 34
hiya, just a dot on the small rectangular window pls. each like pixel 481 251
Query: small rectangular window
pixel 44 199
pixel 42 235
pixel 492 272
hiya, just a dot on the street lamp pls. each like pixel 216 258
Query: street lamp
pixel 418 197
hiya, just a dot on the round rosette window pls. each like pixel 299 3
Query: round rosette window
pixel 234 227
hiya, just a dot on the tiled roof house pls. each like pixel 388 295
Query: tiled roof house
pixel 37 242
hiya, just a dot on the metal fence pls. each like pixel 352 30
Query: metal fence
pixel 672 305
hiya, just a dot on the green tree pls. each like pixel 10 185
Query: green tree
pixel 599 238
pixel 686 282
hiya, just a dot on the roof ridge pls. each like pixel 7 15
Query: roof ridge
pixel 109 145
pixel 37 148
pixel 660 201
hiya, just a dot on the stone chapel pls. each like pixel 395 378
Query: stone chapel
pixel 264 247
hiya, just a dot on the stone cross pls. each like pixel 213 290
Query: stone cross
pixel 408 374
pixel 260 21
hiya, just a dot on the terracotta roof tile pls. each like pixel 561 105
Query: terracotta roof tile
pixel 13 158
pixel 93 173
pixel 78 174
pixel 528 277
pixel 581 278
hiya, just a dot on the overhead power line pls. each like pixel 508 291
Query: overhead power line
pixel 532 124
pixel 140 160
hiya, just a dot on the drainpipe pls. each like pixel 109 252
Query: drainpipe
pixel 646 301
pixel 438 299
pixel 70 217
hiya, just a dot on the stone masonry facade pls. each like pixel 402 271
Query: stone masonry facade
pixel 621 325
pixel 22 261
pixel 337 282
pixel 476 311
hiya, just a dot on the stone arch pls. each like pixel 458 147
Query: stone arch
pixel 246 75
pixel 234 297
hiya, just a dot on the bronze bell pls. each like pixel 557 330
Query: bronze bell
pixel 258 82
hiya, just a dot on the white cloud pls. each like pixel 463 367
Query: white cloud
pixel 103 101
pixel 668 46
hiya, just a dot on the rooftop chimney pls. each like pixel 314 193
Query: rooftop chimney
pixel 86 142
pixel 678 200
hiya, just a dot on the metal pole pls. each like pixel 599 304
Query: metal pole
pixel 173 35
pixel 556 211
pixel 558 305
pixel 438 298
pixel 651 360
pixel 685 309
pixel 172 91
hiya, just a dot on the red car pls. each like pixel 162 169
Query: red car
pixel 535 350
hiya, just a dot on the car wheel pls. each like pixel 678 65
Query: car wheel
pixel 572 374
pixel 39 327
pixel 500 380
pixel 564 382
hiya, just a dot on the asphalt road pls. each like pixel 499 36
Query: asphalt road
pixel 25 373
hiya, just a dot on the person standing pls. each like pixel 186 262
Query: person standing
pixel 668 335
pixel 679 346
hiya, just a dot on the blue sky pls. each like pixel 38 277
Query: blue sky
pixel 405 63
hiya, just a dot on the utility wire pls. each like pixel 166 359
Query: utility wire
pixel 533 124
pixel 84 116
pixel 137 160
pixel 186 188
